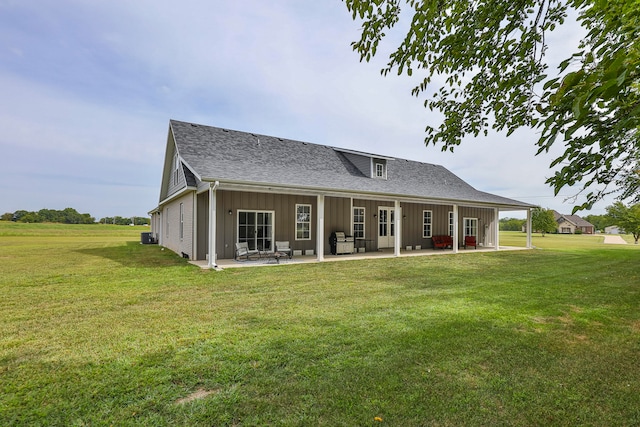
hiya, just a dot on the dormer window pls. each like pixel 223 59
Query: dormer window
pixel 379 169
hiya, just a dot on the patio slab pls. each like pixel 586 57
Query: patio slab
pixel 308 259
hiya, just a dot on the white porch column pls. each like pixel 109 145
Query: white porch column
pixel 529 243
pixel 397 241
pixel 497 227
pixel 455 229
pixel 212 224
pixel 320 230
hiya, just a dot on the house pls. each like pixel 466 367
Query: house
pixel 570 224
pixel 221 187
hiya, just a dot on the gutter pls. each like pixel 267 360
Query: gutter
pixel 314 191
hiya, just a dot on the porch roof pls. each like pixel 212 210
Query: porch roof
pixel 213 153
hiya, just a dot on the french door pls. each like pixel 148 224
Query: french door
pixel 386 227
pixel 256 228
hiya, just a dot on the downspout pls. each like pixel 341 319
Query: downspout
pixel 212 224
pixel 320 229
pixel 455 229
pixel 397 241
pixel 529 222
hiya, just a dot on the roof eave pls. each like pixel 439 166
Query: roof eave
pixel 239 185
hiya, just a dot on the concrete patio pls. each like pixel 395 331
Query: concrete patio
pixel 308 259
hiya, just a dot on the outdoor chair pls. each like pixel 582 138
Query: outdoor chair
pixel 470 241
pixel 243 251
pixel 284 247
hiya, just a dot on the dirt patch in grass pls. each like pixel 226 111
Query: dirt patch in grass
pixel 198 394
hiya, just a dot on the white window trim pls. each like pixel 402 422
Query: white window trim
pixel 295 230
pixel 427 235
pixel 383 168
pixel 464 227
pixel 181 221
pixel 258 211
pixel 364 221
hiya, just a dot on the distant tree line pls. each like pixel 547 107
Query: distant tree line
pixel 127 220
pixel 65 216
pixel 69 216
pixel 618 214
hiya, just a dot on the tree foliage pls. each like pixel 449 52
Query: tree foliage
pixel 600 222
pixel 69 216
pixel 491 53
pixel 119 220
pixel 511 224
pixel 65 216
pixel 627 218
pixel 543 221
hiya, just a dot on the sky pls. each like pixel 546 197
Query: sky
pixel 89 87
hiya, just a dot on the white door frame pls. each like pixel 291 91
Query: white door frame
pixel 386 227
pixel 270 237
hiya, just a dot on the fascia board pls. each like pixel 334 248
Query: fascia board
pixel 175 195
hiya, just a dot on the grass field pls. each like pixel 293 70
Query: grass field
pixel 96 329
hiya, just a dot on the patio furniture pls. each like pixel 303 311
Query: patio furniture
pixel 242 250
pixel 442 242
pixel 470 241
pixel 284 248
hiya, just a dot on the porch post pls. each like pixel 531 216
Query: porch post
pixel 212 224
pixel 455 229
pixel 320 230
pixel 529 244
pixel 497 227
pixel 397 241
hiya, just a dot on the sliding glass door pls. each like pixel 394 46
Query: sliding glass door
pixel 256 228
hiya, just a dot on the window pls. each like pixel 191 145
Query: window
pixel 358 223
pixel 426 223
pixel 167 222
pixel 450 223
pixel 471 227
pixel 176 168
pixel 303 222
pixel 380 170
pixel 181 221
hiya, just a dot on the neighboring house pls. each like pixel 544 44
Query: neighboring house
pixel 569 224
pixel 613 229
pixel 221 187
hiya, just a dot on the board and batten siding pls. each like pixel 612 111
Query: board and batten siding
pixel 282 205
pixel 338 216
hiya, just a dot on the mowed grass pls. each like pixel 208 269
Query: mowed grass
pixel 97 329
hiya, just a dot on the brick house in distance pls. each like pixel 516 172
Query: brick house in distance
pixel 570 224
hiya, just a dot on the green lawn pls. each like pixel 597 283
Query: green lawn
pixel 97 329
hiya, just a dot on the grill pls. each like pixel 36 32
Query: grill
pixel 341 244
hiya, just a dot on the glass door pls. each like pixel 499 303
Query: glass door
pixel 256 228
pixel 386 227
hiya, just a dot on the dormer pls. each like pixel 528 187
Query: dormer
pixel 370 165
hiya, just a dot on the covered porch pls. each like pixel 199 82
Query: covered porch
pixel 379 225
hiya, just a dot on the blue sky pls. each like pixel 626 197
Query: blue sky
pixel 88 90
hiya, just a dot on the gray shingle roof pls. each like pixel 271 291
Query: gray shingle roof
pixel 575 219
pixel 214 153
